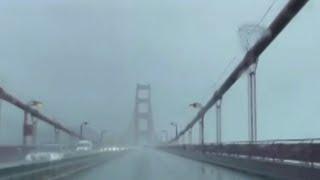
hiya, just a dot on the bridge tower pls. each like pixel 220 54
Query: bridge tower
pixel 143 122
pixel 29 134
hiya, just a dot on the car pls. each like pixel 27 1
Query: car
pixel 84 145
pixel 43 156
pixel 46 152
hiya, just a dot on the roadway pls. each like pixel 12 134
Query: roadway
pixel 146 164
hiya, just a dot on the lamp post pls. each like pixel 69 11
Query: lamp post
pixel 81 128
pixel 197 105
pixel 176 127
pixel 252 95
pixel 218 121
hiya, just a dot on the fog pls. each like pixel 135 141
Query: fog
pixel 83 59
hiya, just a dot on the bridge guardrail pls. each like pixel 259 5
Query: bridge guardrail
pixel 277 141
pixel 58 168
pixel 304 151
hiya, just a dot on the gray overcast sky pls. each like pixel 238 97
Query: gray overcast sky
pixel 83 59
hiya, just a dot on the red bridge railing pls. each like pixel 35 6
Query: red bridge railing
pixel 305 150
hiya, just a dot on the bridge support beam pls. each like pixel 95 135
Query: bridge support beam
pixel 252 103
pixel 218 122
pixel 190 136
pixel 201 130
pixel 34 122
pixel 25 129
pixel 183 139
pixel 56 136
pixel 28 130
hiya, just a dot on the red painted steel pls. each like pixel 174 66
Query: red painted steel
pixel 278 24
pixel 16 102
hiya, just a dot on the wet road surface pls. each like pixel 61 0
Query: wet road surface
pixel 154 165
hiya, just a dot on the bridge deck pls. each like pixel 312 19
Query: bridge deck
pixel 154 165
pixel 280 161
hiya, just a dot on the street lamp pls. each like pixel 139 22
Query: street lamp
pixel 36 104
pixel 197 105
pixel 81 128
pixel 176 127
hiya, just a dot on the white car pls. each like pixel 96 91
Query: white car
pixel 84 145
pixel 46 152
pixel 44 156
